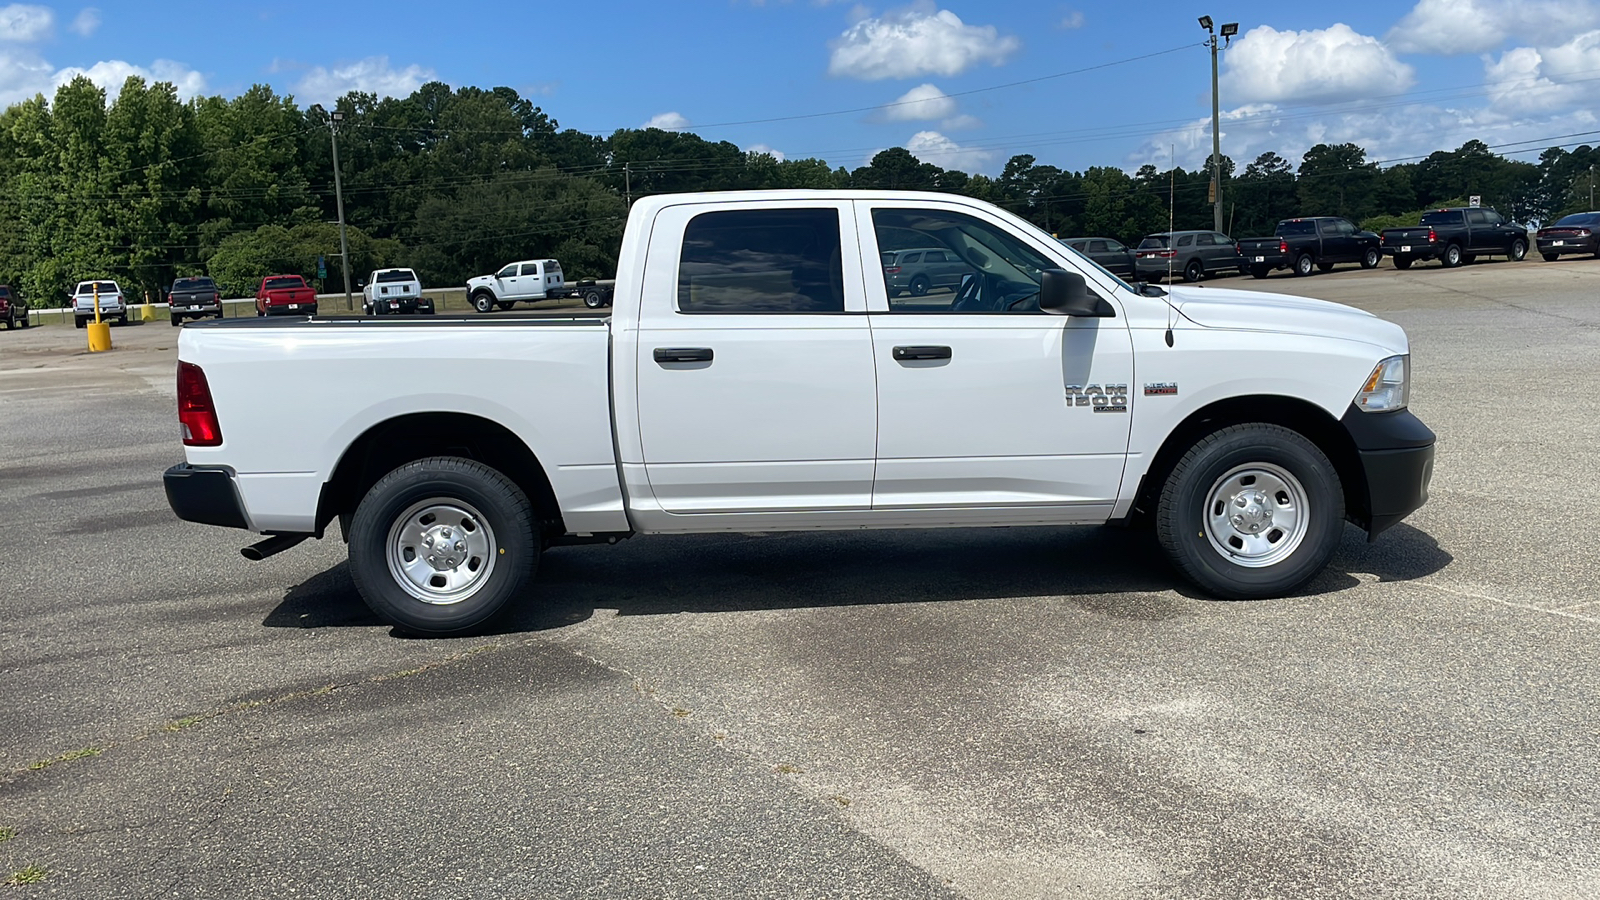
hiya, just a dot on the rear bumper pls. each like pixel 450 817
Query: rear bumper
pixel 1418 251
pixel 1396 452
pixel 300 309
pixel 205 494
pixel 1589 244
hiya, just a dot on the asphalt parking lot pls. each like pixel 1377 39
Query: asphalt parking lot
pixel 1008 713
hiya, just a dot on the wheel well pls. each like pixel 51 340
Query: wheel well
pixel 388 445
pixel 1307 419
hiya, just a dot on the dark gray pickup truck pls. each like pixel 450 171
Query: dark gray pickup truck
pixel 194 298
pixel 1319 242
pixel 1456 236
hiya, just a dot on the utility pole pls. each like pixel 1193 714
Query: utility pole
pixel 338 195
pixel 627 184
pixel 1228 31
pixel 1591 185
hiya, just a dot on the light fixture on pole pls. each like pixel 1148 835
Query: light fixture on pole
pixel 1229 29
pixel 338 194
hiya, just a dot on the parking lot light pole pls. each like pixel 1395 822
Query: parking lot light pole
pixel 1228 31
pixel 338 196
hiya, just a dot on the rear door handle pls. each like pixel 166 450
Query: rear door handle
pixel 906 353
pixel 682 354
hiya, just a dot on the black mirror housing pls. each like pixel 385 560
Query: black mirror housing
pixel 1064 293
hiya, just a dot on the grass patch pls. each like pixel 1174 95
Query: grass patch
pixel 841 799
pixel 69 756
pixel 185 722
pixel 680 712
pixel 787 769
pixel 28 875
pixel 7 834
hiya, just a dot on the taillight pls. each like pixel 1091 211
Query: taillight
pixel 1283 247
pixel 1238 249
pixel 1167 254
pixel 1433 236
pixel 196 413
pixel 891 270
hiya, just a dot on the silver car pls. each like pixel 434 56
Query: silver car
pixel 921 269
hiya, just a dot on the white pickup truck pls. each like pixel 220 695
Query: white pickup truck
pixel 756 375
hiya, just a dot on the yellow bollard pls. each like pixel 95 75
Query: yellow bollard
pixel 99 336
pixel 146 314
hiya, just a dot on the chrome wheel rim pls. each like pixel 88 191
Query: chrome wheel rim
pixel 441 551
pixel 1256 515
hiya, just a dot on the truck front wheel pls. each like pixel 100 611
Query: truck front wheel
pixel 483 301
pixel 1251 511
pixel 1371 258
pixel 439 545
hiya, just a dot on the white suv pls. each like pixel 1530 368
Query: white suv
pixel 112 303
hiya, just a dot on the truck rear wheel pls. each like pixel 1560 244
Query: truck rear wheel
pixel 439 545
pixel 1194 271
pixel 1403 262
pixel 592 300
pixel 1452 256
pixel 1251 511
pixel 1259 271
pixel 1303 264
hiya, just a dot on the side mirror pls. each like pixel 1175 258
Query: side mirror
pixel 1064 293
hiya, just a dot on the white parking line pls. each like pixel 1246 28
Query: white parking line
pixel 1562 611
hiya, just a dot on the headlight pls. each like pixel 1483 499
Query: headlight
pixel 1388 388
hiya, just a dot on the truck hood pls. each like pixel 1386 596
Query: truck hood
pixel 480 281
pixel 1284 314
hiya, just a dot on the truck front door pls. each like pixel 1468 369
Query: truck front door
pixel 989 409
pixel 754 366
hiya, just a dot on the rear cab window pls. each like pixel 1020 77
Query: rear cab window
pixel 394 275
pixel 1442 217
pixel 761 261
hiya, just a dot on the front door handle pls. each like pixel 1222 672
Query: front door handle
pixel 682 354
pixel 908 353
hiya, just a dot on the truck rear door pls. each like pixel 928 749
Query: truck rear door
pixel 755 365
pixel 989 409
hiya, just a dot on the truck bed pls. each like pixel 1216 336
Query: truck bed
pixel 302 390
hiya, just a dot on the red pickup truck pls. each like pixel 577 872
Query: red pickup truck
pixel 285 295
pixel 13 311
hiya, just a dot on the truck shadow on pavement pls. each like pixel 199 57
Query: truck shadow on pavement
pixel 1109 571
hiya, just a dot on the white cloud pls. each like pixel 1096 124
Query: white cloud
pixel 763 149
pixel 667 121
pixel 917 40
pixel 110 74
pixel 1072 20
pixel 372 75
pixel 933 147
pixel 1329 65
pixel 25 23
pixel 1456 27
pixel 86 22
pixel 1528 80
pixel 924 102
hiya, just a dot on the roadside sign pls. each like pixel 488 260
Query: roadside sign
pixel 322 265
pixel 1474 201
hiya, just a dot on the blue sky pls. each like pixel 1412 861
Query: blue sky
pixel 940 77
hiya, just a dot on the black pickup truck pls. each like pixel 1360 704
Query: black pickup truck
pixel 1456 236
pixel 1319 242
pixel 196 297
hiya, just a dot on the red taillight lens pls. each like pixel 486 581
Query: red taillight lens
pixel 1283 247
pixel 1433 236
pixel 891 270
pixel 1167 254
pixel 196 413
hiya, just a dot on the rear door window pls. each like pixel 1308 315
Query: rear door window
pixel 1186 241
pixel 762 261
pixel 1476 217
pixel 530 269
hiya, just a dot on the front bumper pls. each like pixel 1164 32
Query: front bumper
pixel 1396 453
pixel 205 494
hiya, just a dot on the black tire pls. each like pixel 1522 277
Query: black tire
pixel 260 313
pixel 1403 262
pixel 176 321
pixel 1550 257
pixel 593 300
pixel 1519 250
pixel 1303 265
pixel 79 321
pixel 1468 259
pixel 1453 256
pixel 122 320
pixel 1371 258
pixel 1192 539
pixel 1324 267
pixel 492 509
pixel 505 304
pixel 920 286
pixel 483 302
pixel 1259 271
pixel 1194 271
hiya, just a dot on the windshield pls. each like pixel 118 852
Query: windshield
pixel 396 275
pixel 275 283
pixel 1580 219
pixel 1297 227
